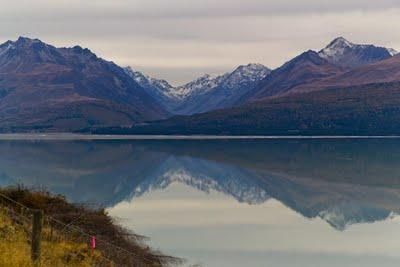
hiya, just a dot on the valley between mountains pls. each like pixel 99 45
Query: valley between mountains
pixel 344 88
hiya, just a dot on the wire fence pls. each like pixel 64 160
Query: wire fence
pixel 67 236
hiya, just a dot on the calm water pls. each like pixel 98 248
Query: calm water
pixel 232 203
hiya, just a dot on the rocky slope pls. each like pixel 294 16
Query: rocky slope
pixel 223 91
pixel 160 90
pixel 204 93
pixel 358 110
pixel 67 89
pixel 349 55
pixel 303 69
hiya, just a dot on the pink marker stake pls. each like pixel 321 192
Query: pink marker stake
pixel 93 243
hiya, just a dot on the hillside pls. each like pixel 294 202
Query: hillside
pixel 303 69
pixel 360 110
pixel 223 91
pixel 385 71
pixel 66 89
pixel 49 89
pixel 340 64
pixel 348 55
pixel 67 229
pixel 204 93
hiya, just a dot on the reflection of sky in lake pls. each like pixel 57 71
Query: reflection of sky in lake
pixel 216 230
pixel 232 203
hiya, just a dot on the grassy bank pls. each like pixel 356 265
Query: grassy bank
pixel 15 248
pixel 66 234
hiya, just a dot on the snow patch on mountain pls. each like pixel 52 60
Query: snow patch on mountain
pixel 241 75
pixel 392 51
pixel 5 47
pixel 245 74
pixel 336 48
pixel 347 54
pixel 150 83
pixel 204 84
pixel 201 85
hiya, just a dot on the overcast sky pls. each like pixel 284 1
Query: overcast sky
pixel 179 40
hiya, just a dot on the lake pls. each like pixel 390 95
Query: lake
pixel 245 202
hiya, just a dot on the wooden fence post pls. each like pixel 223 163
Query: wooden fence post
pixel 37 236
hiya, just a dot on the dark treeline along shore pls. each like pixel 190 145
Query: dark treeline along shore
pixel 371 110
pixel 343 89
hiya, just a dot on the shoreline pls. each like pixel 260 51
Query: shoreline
pixel 65 221
pixel 73 136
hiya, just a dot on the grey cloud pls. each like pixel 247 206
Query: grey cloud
pixel 180 39
pixel 187 9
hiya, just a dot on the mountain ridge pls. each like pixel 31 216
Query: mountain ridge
pixel 206 92
pixel 348 55
pixel 67 88
pixel 44 88
pixel 303 69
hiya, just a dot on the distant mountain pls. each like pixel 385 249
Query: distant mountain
pixel 224 91
pixel 344 88
pixel 66 89
pixel 303 69
pixel 159 89
pixel 348 55
pixel 384 71
pixel 204 93
pixel 255 81
pixel 356 110
pixel 308 95
pixel 340 64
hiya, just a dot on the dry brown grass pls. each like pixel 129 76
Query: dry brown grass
pixel 71 225
pixel 15 248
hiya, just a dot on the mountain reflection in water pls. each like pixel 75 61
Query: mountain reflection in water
pixel 341 181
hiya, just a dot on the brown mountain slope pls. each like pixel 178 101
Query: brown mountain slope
pixel 362 110
pixel 384 71
pixel 66 89
pixel 303 69
pixel 348 55
pixel 311 72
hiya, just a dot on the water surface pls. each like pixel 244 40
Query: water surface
pixel 289 202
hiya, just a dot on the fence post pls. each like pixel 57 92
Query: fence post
pixel 37 236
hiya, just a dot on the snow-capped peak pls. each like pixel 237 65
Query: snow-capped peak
pixel 241 76
pixel 199 86
pixel 4 48
pixel 252 71
pixel 349 55
pixel 341 42
pixel 336 48
pixel 392 51
pixel 149 83
pixel 244 74
pixel 22 41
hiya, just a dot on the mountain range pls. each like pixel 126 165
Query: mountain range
pixel 205 93
pixel 343 88
pixel 308 95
